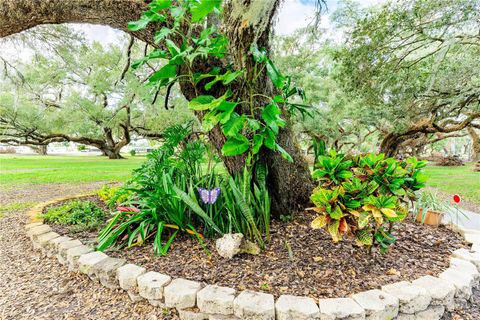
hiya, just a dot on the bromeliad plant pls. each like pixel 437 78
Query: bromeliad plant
pixel 364 195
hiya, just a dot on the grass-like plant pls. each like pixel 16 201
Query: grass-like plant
pixel 164 198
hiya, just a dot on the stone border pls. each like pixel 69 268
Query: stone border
pixel 425 298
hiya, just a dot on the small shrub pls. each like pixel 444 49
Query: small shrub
pixel 81 147
pixel 113 196
pixel 133 152
pixel 364 195
pixel 81 215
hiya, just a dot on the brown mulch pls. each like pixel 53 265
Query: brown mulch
pixel 314 267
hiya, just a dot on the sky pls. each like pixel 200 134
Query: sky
pixel 293 14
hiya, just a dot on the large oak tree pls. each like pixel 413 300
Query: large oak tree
pixel 244 22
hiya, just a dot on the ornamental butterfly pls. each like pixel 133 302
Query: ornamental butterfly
pixel 209 196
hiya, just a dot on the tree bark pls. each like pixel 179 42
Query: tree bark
pixel 41 149
pixel 245 23
pixel 475 143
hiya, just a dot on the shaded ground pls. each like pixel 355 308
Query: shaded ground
pixel 32 287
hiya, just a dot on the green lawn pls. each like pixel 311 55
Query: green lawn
pixel 456 180
pixel 18 169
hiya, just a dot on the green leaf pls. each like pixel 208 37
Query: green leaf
pixel 270 114
pixel 162 34
pixel 232 127
pixel 202 8
pixel 158 5
pixel 166 72
pixel 344 174
pixel 277 78
pixel 235 146
pixel 259 55
pixel 257 143
pixel 336 213
pixel 269 141
pixel 200 103
pixel 225 109
pixel 139 24
pixel 284 153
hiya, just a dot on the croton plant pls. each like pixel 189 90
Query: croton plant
pixel 364 195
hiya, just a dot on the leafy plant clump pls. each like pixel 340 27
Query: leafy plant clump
pixel 165 198
pixel 364 195
pixel 80 215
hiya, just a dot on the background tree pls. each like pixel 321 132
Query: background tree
pixel 83 93
pixel 416 61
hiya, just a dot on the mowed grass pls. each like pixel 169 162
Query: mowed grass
pixel 456 180
pixel 18 170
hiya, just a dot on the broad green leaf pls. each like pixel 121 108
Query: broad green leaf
pixel 259 55
pixel 336 213
pixel 319 222
pixel 225 109
pixel 139 24
pixel 257 143
pixel 344 174
pixel 235 146
pixel 200 103
pixel 277 78
pixel 202 8
pixel 166 72
pixel 270 114
pixel 158 5
pixel 232 127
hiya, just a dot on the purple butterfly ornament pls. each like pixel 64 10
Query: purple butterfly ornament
pixel 209 196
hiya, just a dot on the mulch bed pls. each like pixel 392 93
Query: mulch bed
pixel 314 266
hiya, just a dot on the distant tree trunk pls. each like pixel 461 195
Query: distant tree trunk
pixel 40 149
pixel 475 143
pixel 111 153
pixel 390 144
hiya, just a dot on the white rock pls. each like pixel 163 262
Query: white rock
pixel 73 254
pixel 432 313
pixel 88 260
pixel 441 291
pixel 412 298
pixel 405 316
pixel 44 238
pixel 253 305
pixel 463 282
pixel 466 267
pixel 468 255
pixel 292 307
pixel 222 317
pixel 472 238
pixel 127 278
pixel 192 315
pixel 34 232
pixel 181 293
pixel 51 246
pixel 216 300
pixel 106 271
pixel 340 308
pixel 29 226
pixel 476 248
pixel 151 287
pixel 63 247
pixel 229 245
pixel 378 305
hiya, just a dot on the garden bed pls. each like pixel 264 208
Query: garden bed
pixel 313 267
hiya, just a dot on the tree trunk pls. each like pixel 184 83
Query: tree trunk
pixel 41 149
pixel 111 153
pixel 390 144
pixel 475 144
pixel 245 23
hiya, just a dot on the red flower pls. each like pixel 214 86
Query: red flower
pixel 128 209
pixel 456 198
